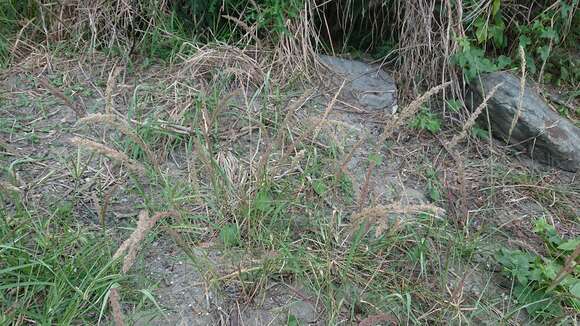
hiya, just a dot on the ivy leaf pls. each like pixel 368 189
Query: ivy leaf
pixel 481 28
pixel 551 269
pixel 497 32
pixel 521 268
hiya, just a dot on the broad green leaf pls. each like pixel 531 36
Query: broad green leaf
pixel 292 320
pixel 503 61
pixel 319 187
pixel 524 41
pixel 544 52
pixel 569 245
pixel 230 235
pixel 551 270
pixel 496 6
pixel 549 33
pixel 263 201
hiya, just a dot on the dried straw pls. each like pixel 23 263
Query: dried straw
pixel 471 121
pixel 124 127
pixel 109 152
pixel 130 247
pixel 521 95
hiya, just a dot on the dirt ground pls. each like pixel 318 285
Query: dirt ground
pixel 201 285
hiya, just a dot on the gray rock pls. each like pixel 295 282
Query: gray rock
pixel 544 134
pixel 368 85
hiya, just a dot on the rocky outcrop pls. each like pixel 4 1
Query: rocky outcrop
pixel 545 135
pixel 366 85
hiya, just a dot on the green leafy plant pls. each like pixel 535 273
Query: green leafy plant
pixel 473 61
pixel 491 31
pixel 479 132
pixel 537 287
pixel 427 120
pixel 433 185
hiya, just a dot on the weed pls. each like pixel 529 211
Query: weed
pixel 534 274
pixel 426 120
pixel 51 270
pixel 433 185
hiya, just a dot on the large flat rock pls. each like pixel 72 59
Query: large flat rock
pixel 366 85
pixel 545 135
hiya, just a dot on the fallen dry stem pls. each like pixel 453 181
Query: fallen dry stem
pixel 378 214
pixel 450 147
pixel 521 94
pixel 78 110
pixel 131 247
pixel 567 269
pixel 114 301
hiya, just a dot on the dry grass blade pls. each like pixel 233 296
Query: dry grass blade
pixel 377 214
pixel 378 319
pixel 521 95
pixel 109 152
pixel 111 83
pixel 8 187
pixel 450 147
pixel 315 129
pixel 390 128
pixel 122 126
pixel 251 31
pixel 131 245
pixel 328 109
pixel 261 170
pixel 410 111
pixel 210 59
pixel 382 210
pixel 101 208
pixel 471 120
pixel 78 110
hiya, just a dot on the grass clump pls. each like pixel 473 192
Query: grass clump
pixel 52 269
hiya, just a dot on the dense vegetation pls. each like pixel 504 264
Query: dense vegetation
pixel 59 264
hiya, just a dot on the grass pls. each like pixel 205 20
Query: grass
pixel 295 222
pixel 54 270
pixel 235 162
